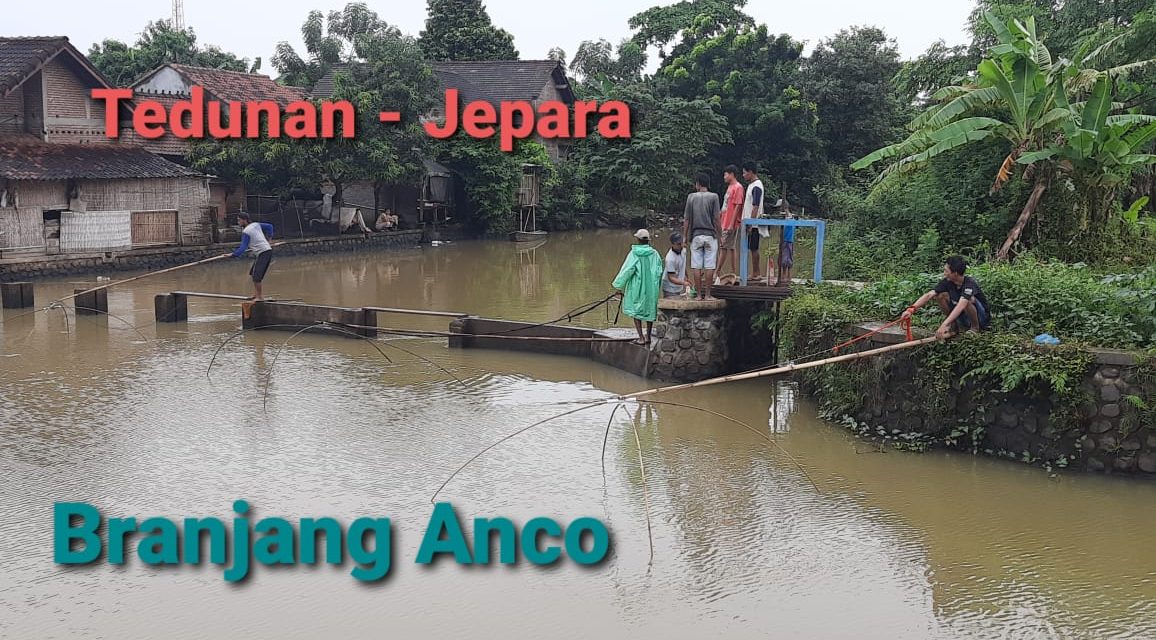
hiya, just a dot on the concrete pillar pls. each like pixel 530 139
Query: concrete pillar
pixel 17 295
pixel 287 316
pixel 91 303
pixel 690 340
pixel 171 307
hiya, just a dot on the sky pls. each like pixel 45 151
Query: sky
pixel 252 29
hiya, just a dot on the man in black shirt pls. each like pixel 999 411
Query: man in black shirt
pixel 960 299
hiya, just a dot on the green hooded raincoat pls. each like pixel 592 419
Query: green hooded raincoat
pixel 639 281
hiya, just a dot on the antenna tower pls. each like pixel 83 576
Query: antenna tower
pixel 179 15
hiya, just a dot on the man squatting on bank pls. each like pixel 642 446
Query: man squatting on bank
pixel 960 299
pixel 255 238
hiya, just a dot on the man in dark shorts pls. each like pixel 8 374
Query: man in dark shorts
pixel 960 299
pixel 255 238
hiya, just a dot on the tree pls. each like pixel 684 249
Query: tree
pixel 462 30
pixel 597 62
pixel 1022 97
pixel 329 40
pixel 937 67
pixel 687 21
pixel 753 79
pixel 158 45
pixel 670 140
pixel 849 77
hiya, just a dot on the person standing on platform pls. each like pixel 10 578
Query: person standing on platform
pixel 753 208
pixel 255 238
pixel 732 209
pixel 638 282
pixel 701 224
pixel 674 282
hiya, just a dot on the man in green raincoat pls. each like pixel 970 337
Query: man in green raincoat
pixel 639 281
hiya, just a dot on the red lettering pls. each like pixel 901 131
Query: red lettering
pixel 194 107
pixel 478 119
pixel 216 130
pixel 582 108
pixel 524 126
pixel 554 121
pixel 451 112
pixel 328 112
pixel 615 123
pixel 148 113
pixel 112 98
pixel 302 124
pixel 253 113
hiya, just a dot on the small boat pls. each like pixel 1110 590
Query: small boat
pixel 527 236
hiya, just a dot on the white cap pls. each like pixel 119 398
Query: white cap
pixel 642 234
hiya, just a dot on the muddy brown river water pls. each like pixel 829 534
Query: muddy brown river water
pixel 892 545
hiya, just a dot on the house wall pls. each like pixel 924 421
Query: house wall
pixel 167 80
pixel 34 104
pixel 554 146
pixel 73 116
pixel 12 111
pixel 23 225
pixel 22 222
pixel 189 197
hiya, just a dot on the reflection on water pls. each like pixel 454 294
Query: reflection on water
pixel 892 545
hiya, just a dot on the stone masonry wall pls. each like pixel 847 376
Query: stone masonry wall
pixel 690 340
pixel 41 266
pixel 1107 438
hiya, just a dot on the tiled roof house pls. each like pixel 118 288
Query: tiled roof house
pixel 65 186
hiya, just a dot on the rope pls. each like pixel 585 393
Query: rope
pixel 906 322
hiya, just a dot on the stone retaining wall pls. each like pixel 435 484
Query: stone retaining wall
pixel 1106 439
pixel 690 340
pixel 12 269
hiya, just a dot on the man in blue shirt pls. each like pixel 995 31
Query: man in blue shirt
pixel 255 238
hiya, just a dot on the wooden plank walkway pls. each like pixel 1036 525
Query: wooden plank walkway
pixel 751 292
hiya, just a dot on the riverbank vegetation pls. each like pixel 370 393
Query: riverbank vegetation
pixel 1037 134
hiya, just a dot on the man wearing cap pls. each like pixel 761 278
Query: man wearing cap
pixel 638 283
pixel 674 281
pixel 255 238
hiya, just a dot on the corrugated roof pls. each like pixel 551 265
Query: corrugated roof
pixel 489 80
pixel 21 57
pixel 28 158
pixel 237 85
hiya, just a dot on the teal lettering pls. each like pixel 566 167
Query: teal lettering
pixel 444 520
pixel 277 547
pixel 375 560
pixel 530 540
pixel 507 540
pixel 241 549
pixel 64 533
pixel 310 529
pixel 162 548
pixel 193 529
pixel 601 541
pixel 118 530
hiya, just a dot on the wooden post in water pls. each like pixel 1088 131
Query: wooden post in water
pixel 171 307
pixel 17 295
pixel 91 302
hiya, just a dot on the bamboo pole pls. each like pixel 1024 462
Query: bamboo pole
pixel 783 369
pixel 153 273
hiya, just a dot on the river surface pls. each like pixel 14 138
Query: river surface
pixel 888 545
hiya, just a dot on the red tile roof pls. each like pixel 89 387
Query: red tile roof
pixel 28 158
pixel 238 85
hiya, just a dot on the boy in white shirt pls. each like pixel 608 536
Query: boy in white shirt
pixel 255 238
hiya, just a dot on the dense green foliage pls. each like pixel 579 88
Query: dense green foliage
pixel 157 45
pixel 339 37
pixel 1027 298
pixel 462 30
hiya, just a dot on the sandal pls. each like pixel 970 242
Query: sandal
pixel 639 342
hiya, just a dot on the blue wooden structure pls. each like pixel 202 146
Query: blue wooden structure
pixel 749 223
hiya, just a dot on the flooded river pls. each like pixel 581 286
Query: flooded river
pixel 891 545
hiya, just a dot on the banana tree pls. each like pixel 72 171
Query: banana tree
pixel 1020 95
